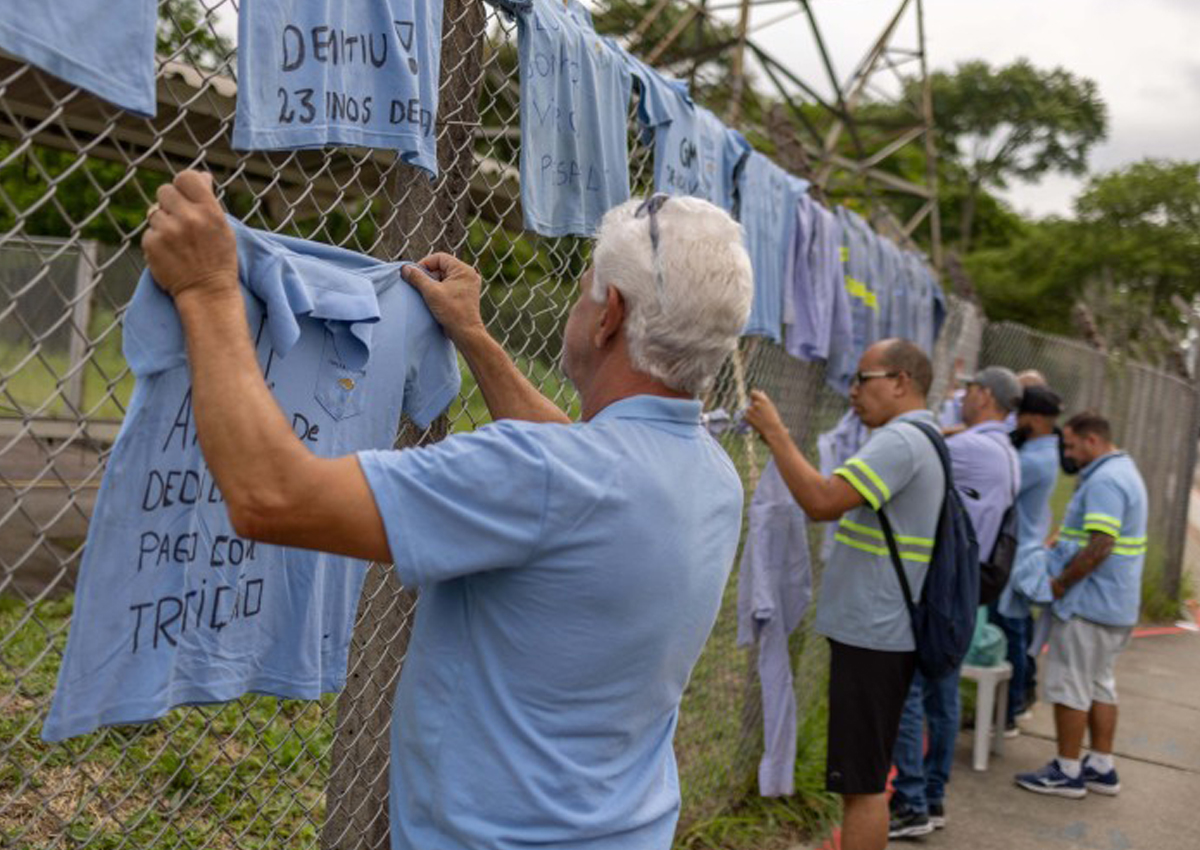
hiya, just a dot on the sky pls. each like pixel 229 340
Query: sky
pixel 1143 55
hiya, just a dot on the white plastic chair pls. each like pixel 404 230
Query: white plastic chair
pixel 991 706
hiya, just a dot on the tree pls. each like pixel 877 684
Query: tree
pixel 1016 122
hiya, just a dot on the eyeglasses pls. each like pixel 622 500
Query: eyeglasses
pixel 650 207
pixel 859 378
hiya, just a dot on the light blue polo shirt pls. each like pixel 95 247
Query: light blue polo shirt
pixel 569 576
pixel 861 603
pixel 1039 473
pixel 313 73
pixel 987 474
pixel 104 47
pixel 575 92
pixel 694 153
pixel 767 198
pixel 1111 499
pixel 172 607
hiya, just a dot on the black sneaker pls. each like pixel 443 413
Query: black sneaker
pixel 905 823
pixel 937 815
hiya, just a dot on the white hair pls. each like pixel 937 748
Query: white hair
pixel 683 334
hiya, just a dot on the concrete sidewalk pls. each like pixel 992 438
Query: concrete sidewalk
pixel 1158 759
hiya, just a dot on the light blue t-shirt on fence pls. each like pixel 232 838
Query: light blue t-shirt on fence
pixel 313 73
pixel 767 198
pixel 103 46
pixel 575 91
pixel 172 607
pixel 694 153
pixel 570 576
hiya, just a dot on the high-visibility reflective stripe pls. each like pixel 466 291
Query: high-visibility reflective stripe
pixel 878 534
pixel 1103 529
pixel 1111 520
pixel 859 290
pixel 915 557
pixel 857 483
pixel 1129 550
pixel 858 463
pixel 1123 545
pixel 844 252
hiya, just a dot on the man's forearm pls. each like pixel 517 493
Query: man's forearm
pixel 247 443
pixel 507 392
pixel 1099 547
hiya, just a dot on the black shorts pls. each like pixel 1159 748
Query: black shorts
pixel 867 688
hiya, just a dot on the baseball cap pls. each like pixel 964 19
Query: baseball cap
pixel 1041 400
pixel 1002 383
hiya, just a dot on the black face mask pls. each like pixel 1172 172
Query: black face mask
pixel 1019 436
pixel 1069 465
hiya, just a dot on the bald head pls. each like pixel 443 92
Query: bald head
pixel 1032 378
pixel 901 355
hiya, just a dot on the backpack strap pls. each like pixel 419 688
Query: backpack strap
pixel 894 551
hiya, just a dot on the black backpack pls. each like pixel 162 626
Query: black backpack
pixel 943 620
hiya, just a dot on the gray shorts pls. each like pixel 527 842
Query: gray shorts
pixel 1081 663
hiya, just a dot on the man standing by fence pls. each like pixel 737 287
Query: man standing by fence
pixel 1097 601
pixel 861 608
pixel 569 574
pixel 987 476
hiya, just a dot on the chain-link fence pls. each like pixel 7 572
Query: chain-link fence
pixel 75 178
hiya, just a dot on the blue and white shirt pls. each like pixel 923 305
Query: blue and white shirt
pixel 103 46
pixel 1111 499
pixel 575 92
pixel 570 576
pixel 1039 473
pixel 767 198
pixel 313 73
pixel 172 607
pixel 694 153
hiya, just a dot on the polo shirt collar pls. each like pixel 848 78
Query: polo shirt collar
pixel 914 416
pixel 1087 471
pixel 989 426
pixel 679 411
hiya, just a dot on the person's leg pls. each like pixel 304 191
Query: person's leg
pixel 864 822
pixel 942 715
pixel 908 754
pixel 1018 644
pixel 1069 726
pixel 1102 727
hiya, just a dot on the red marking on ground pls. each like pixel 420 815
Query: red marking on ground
pixel 1153 631
pixel 835 840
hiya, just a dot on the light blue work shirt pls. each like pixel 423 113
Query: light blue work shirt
pixel 1111 499
pixel 694 153
pixel 106 48
pixel 313 73
pixel 569 576
pixel 861 603
pixel 172 607
pixel 987 474
pixel 861 273
pixel 767 198
pixel 575 92
pixel 1039 474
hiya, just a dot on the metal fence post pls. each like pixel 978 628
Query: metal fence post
pixel 81 317
pixel 429 216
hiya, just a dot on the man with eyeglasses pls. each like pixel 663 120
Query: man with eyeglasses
pixel 570 573
pixel 861 607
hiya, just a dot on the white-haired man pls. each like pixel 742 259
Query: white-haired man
pixel 569 573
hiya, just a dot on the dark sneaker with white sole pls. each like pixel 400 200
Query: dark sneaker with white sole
pixel 937 815
pixel 1051 780
pixel 905 823
pixel 1102 783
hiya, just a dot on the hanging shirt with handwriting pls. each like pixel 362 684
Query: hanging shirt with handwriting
pixel 694 153
pixel 575 91
pixel 171 606
pixel 105 47
pixel 313 73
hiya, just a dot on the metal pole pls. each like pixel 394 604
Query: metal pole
pixel 931 173
pixel 737 69
pixel 80 344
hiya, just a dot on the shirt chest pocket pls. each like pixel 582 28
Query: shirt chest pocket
pixel 340 389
